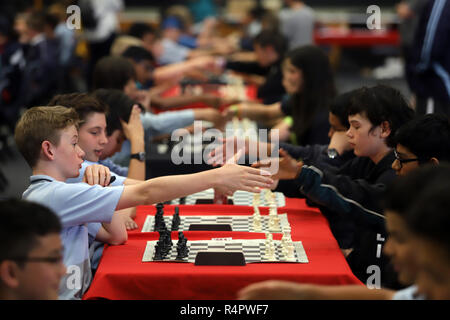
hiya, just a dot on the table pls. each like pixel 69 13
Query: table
pixel 122 275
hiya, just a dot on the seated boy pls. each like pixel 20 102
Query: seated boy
pixel 429 221
pixel 425 139
pixel 30 251
pixel 350 197
pixel 47 137
pixel 100 138
pixel 412 226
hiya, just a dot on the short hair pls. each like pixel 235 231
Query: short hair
pixel 39 124
pixel 274 39
pixel 139 29
pixel 426 136
pixel 382 103
pixel 113 72
pixel 429 217
pixel 82 103
pixel 120 106
pixel 22 223
pixel 339 107
pixel 138 54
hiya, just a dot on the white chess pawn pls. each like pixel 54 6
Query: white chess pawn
pixel 290 252
pixel 256 220
pixel 286 236
pixel 273 210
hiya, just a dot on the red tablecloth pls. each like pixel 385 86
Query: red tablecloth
pixel 123 275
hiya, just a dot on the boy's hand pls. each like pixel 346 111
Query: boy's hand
pixel 339 141
pixel 235 177
pixel 133 130
pixel 288 167
pixel 227 149
pixel 130 224
pixel 97 174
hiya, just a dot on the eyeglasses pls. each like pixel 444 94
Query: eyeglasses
pixel 402 161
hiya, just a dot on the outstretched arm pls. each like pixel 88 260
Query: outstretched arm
pixel 228 179
pixel 284 290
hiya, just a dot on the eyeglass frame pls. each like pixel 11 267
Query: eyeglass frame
pixel 402 161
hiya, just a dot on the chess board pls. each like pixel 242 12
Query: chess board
pixel 253 250
pixel 240 198
pixel 238 223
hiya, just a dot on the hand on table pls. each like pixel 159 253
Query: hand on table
pixel 130 224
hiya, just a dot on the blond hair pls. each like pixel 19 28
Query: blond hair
pixel 40 124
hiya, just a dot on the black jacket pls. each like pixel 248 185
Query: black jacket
pixel 351 200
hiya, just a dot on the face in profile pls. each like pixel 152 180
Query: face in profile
pixel 405 161
pixel 68 155
pixel 292 77
pixel 41 280
pixel 114 145
pixel 399 248
pixel 93 136
pixel 363 137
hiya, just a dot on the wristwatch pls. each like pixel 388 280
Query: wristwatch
pixel 140 156
pixel 332 153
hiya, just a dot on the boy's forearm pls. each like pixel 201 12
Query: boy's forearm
pixel 348 292
pixel 116 230
pixel 136 168
pixel 167 188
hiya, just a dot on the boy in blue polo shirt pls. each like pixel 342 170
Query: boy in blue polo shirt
pixel 47 137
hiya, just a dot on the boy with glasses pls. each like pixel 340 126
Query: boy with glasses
pixel 425 139
pixel 31 252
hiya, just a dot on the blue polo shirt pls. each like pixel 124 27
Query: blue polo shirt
pixel 77 205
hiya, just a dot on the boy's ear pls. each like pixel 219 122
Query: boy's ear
pixel 8 274
pixel 385 129
pixel 48 150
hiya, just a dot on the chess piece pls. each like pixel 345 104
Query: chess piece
pixel 182 249
pixel 176 220
pixel 256 199
pixel 160 224
pixel 257 220
pixel 269 253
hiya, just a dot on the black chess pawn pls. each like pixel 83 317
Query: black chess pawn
pixel 159 207
pixel 176 220
pixel 160 223
pixel 158 254
pixel 182 249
